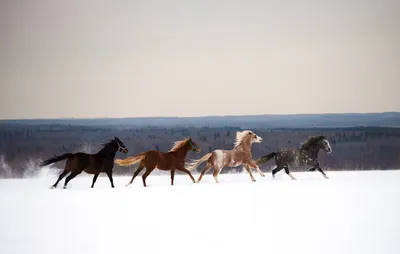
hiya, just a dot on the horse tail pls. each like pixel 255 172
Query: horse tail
pixel 55 159
pixel 131 160
pixel 265 158
pixel 195 163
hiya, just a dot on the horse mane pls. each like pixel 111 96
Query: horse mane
pixel 240 135
pixel 107 143
pixel 179 144
pixel 310 141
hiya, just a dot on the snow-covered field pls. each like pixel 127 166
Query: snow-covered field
pixel 352 212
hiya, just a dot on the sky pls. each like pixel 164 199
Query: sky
pixel 88 59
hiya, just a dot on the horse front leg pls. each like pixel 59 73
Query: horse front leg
pixel 253 164
pixel 172 176
pixel 183 169
pixel 322 172
pixel 109 174
pixel 94 179
pixel 247 167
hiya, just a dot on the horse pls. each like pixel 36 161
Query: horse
pixel 172 160
pixel 102 161
pixel 239 155
pixel 305 155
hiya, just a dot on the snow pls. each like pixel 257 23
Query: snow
pixel 352 212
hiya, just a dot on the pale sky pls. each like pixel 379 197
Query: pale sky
pixel 81 58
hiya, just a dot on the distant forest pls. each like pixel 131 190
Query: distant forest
pixel 23 146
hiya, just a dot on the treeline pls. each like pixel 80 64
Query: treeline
pixel 22 147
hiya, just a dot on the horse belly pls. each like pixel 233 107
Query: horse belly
pixel 234 163
pixel 91 170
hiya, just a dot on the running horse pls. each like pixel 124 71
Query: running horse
pixel 305 155
pixel 239 155
pixel 102 161
pixel 172 160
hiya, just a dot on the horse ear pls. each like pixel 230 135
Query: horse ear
pixel 115 137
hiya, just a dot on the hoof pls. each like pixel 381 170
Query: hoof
pixel 263 175
pixel 52 187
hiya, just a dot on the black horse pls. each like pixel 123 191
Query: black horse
pixel 102 161
pixel 306 155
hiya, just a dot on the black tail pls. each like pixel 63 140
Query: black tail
pixel 55 159
pixel 265 158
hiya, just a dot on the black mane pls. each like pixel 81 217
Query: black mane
pixel 311 141
pixel 109 147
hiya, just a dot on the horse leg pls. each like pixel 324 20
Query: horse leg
pixel 288 173
pixel 145 175
pixel 276 170
pixel 70 177
pixel 64 173
pixel 311 169
pixel 172 176
pixel 248 170
pixel 216 173
pixel 254 165
pixel 187 172
pixel 94 179
pixel 205 170
pixel 135 174
pixel 322 172
pixel 109 174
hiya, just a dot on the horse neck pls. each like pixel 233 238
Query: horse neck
pixel 244 146
pixel 107 152
pixel 312 150
pixel 182 152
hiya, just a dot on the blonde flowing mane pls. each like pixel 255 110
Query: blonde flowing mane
pixel 240 137
pixel 179 144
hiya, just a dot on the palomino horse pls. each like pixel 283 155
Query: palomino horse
pixel 172 160
pixel 102 161
pixel 306 155
pixel 239 155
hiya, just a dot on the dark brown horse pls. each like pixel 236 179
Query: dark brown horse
pixel 172 160
pixel 102 161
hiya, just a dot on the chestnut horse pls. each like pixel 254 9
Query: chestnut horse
pixel 172 160
pixel 239 155
pixel 102 161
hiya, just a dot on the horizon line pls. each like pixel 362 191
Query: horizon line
pixel 202 116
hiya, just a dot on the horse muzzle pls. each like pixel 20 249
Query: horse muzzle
pixel 125 150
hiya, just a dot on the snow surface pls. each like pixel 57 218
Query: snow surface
pixel 352 212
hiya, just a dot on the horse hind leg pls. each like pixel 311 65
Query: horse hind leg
pixel 216 173
pixel 205 170
pixel 140 168
pixel 70 177
pixel 145 175
pixel 62 175
pixel 288 173
pixel 276 170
